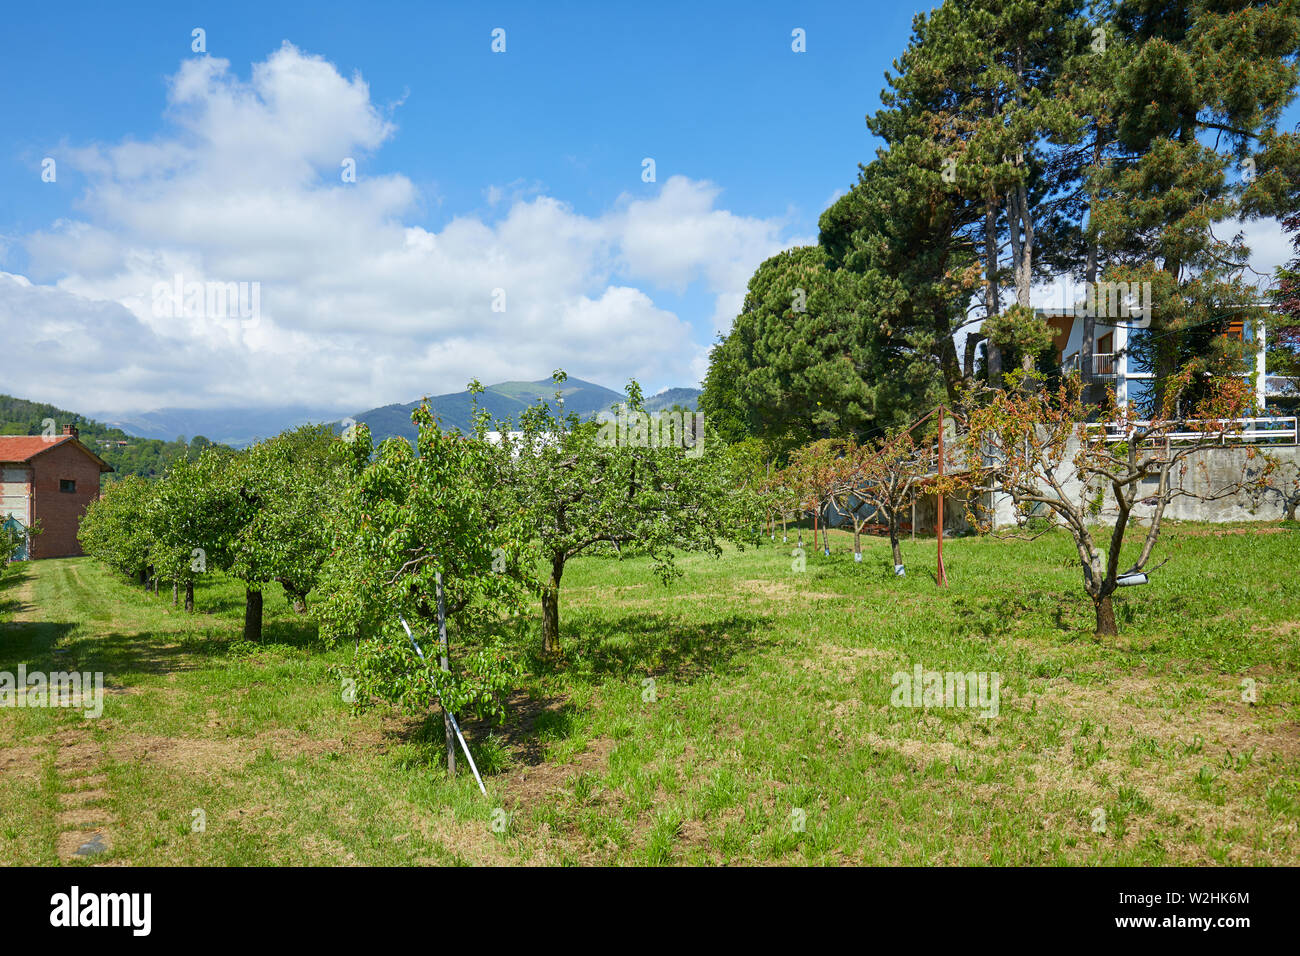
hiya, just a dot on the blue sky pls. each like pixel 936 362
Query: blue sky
pixel 582 94
pixel 476 171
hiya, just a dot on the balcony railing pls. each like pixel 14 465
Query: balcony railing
pixel 1103 364
pixel 1273 430
pixel 1279 386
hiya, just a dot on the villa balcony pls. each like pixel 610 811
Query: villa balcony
pixel 1279 386
pixel 1104 364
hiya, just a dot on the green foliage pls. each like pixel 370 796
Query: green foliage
pixel 188 517
pixel 404 523
pixel 281 493
pixel 1198 99
pixel 1284 329
pixel 805 358
pixel 1114 142
pixel 12 537
pixel 615 488
pixel 115 527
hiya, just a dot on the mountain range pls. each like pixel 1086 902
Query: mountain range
pixel 505 400
pixel 508 400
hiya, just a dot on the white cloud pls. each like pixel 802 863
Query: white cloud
pixel 360 304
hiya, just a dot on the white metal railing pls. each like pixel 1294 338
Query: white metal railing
pixel 1103 364
pixel 1279 386
pixel 1273 430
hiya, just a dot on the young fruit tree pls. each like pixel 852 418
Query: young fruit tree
pixel 1094 480
pixel 878 484
pixel 423 536
pixel 286 486
pixel 114 531
pixel 12 537
pixel 623 485
pixel 1282 483
pixel 185 519
pixel 813 473
pixel 779 499
pixel 199 521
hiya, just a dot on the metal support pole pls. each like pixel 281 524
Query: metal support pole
pixel 942 577
pixel 455 726
pixel 442 649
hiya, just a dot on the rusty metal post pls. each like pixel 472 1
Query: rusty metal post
pixel 942 577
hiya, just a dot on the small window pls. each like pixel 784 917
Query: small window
pixel 67 485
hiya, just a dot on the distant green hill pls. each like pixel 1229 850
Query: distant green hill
pixel 508 400
pixel 685 397
pixel 129 456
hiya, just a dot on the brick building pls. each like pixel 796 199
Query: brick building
pixel 51 480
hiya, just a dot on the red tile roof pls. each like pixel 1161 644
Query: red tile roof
pixel 16 448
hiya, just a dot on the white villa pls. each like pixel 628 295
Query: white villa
pixel 1112 364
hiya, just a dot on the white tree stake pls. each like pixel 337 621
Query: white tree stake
pixel 455 726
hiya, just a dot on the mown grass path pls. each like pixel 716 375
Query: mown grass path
pixel 741 715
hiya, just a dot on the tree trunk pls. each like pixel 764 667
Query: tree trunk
pixel 189 596
pixel 1088 347
pixel 893 543
pixel 551 609
pixel 857 540
pixel 1106 626
pixel 991 304
pixel 296 598
pixel 176 594
pixel 253 615
pixel 144 578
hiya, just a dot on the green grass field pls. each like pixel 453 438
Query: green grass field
pixel 767 735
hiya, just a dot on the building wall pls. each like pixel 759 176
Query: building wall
pixel 14 480
pixel 1132 386
pixel 60 512
pixel 1209 470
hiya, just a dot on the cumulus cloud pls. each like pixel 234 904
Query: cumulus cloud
pixel 360 304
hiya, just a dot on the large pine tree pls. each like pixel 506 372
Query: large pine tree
pixel 1199 99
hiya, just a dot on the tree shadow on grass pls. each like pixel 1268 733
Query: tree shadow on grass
pixel 530 723
pixel 298 632
pixel 988 616
pixel 31 644
pixel 639 645
pixel 13 578
pixel 630 646
pixel 27 643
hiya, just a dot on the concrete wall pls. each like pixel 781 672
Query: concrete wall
pixel 955 520
pixel 1208 471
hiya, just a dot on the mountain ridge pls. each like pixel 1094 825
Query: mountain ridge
pixel 507 400
pixel 239 428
